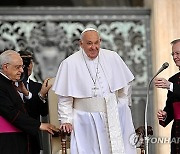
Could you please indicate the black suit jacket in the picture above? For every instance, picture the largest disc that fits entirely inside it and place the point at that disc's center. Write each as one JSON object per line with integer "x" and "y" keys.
{"x": 12, "y": 109}
{"x": 36, "y": 108}
{"x": 176, "y": 88}
{"x": 171, "y": 98}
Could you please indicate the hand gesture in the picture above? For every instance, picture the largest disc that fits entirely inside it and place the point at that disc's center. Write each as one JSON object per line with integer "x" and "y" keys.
{"x": 161, "y": 115}
{"x": 161, "y": 83}
{"x": 22, "y": 89}
{"x": 45, "y": 88}
{"x": 49, "y": 128}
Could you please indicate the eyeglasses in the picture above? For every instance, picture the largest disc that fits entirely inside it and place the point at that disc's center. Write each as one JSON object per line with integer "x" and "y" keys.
{"x": 17, "y": 67}
{"x": 175, "y": 53}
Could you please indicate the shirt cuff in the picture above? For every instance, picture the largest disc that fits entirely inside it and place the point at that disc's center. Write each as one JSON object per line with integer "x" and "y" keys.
{"x": 171, "y": 87}
{"x": 42, "y": 98}
{"x": 29, "y": 96}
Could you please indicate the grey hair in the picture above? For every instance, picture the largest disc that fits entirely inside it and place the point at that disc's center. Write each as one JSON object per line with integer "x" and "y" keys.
{"x": 6, "y": 57}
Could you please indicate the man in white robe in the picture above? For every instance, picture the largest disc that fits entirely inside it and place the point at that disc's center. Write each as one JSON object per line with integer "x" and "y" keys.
{"x": 94, "y": 89}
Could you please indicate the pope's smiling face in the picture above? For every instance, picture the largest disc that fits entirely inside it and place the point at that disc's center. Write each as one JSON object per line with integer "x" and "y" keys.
{"x": 90, "y": 43}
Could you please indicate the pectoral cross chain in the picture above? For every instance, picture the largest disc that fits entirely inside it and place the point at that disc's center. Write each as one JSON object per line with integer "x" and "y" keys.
{"x": 94, "y": 90}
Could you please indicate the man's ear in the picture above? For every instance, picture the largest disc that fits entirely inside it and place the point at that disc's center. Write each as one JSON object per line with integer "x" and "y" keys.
{"x": 4, "y": 67}
{"x": 80, "y": 43}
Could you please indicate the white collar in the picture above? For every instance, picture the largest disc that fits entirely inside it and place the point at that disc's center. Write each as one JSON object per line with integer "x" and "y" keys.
{"x": 28, "y": 80}
{"x": 89, "y": 59}
{"x": 5, "y": 75}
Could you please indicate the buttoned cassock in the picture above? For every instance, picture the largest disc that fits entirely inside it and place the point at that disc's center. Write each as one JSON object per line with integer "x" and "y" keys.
{"x": 12, "y": 109}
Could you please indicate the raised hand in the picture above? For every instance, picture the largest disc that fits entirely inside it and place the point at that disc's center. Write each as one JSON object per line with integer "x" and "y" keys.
{"x": 161, "y": 83}
{"x": 45, "y": 88}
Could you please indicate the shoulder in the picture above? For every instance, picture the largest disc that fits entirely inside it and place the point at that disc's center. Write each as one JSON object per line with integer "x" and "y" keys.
{"x": 34, "y": 83}
{"x": 111, "y": 55}
{"x": 175, "y": 77}
{"x": 108, "y": 52}
{"x": 72, "y": 59}
{"x": 5, "y": 83}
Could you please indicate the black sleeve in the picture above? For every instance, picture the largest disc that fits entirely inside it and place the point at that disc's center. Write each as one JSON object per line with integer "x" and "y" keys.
{"x": 176, "y": 89}
{"x": 171, "y": 98}
{"x": 40, "y": 107}
{"x": 12, "y": 109}
{"x": 169, "y": 110}
{"x": 35, "y": 106}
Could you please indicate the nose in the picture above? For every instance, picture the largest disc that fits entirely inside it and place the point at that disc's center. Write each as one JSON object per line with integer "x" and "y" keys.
{"x": 175, "y": 56}
{"x": 93, "y": 46}
{"x": 21, "y": 69}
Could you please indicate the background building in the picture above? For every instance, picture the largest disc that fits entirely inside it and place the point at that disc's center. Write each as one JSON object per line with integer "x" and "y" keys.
{"x": 139, "y": 31}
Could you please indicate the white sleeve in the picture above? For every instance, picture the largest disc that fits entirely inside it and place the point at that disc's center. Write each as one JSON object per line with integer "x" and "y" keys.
{"x": 65, "y": 109}
{"x": 125, "y": 93}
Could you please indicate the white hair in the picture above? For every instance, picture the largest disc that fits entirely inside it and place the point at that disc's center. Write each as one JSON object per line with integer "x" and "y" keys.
{"x": 6, "y": 57}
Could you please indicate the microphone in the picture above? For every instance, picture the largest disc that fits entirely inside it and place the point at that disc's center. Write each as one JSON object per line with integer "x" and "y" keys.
{"x": 163, "y": 67}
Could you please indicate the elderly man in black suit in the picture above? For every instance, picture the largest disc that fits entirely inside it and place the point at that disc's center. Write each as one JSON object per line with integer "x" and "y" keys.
{"x": 17, "y": 127}
{"x": 172, "y": 109}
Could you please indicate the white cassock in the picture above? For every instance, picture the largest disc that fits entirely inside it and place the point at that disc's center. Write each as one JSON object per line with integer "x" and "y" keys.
{"x": 101, "y": 117}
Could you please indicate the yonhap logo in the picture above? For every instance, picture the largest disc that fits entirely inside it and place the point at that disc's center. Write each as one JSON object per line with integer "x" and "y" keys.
{"x": 136, "y": 140}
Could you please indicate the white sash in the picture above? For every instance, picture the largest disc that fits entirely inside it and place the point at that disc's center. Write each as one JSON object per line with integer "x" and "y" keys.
{"x": 110, "y": 106}
{"x": 114, "y": 128}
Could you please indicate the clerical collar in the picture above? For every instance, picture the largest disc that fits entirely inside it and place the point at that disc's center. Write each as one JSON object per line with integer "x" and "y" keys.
{"x": 5, "y": 75}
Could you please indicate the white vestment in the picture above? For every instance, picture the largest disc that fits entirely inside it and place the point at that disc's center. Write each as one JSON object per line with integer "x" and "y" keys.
{"x": 74, "y": 81}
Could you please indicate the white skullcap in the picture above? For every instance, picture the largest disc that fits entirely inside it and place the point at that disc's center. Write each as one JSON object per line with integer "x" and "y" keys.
{"x": 175, "y": 40}
{"x": 88, "y": 29}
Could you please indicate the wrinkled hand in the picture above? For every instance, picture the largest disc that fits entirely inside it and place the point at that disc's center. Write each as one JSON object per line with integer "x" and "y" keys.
{"x": 49, "y": 128}
{"x": 66, "y": 127}
{"x": 21, "y": 88}
{"x": 45, "y": 88}
{"x": 161, "y": 83}
{"x": 161, "y": 115}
